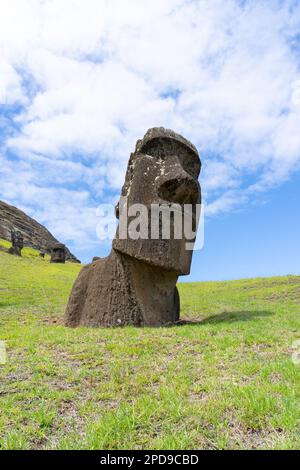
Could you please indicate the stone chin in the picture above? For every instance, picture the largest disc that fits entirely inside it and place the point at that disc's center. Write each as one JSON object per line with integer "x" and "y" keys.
{"x": 169, "y": 255}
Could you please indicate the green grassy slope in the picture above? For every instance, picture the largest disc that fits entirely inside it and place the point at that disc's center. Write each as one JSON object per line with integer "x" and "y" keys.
{"x": 227, "y": 380}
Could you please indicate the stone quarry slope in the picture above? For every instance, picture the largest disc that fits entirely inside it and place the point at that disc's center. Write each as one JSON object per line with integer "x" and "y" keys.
{"x": 35, "y": 235}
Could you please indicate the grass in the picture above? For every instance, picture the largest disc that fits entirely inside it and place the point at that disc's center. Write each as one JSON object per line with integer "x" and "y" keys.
{"x": 224, "y": 381}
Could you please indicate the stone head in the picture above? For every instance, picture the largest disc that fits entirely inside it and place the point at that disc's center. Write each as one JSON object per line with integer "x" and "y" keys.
{"x": 163, "y": 170}
{"x": 17, "y": 239}
{"x": 58, "y": 253}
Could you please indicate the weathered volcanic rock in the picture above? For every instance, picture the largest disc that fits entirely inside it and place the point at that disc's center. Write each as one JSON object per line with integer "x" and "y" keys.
{"x": 58, "y": 253}
{"x": 34, "y": 234}
{"x": 136, "y": 283}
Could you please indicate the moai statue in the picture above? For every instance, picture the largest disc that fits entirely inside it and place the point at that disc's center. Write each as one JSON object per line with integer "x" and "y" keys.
{"x": 136, "y": 283}
{"x": 17, "y": 243}
{"x": 58, "y": 253}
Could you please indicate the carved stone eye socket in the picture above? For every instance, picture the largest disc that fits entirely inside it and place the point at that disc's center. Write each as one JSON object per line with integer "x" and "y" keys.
{"x": 163, "y": 147}
{"x": 180, "y": 190}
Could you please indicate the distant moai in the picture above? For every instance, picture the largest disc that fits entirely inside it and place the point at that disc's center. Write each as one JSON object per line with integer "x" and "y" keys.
{"x": 58, "y": 253}
{"x": 42, "y": 254}
{"x": 17, "y": 242}
{"x": 136, "y": 283}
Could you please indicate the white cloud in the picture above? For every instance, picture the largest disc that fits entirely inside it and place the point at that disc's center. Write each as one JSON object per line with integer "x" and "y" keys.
{"x": 10, "y": 84}
{"x": 227, "y": 201}
{"x": 92, "y": 76}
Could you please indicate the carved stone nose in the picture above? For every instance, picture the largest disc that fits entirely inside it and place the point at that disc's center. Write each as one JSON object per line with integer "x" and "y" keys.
{"x": 180, "y": 190}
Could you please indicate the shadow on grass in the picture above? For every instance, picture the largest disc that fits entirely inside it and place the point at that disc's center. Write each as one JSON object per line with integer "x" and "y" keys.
{"x": 227, "y": 317}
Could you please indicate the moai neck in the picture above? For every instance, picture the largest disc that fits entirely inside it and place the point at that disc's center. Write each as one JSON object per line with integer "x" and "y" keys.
{"x": 155, "y": 291}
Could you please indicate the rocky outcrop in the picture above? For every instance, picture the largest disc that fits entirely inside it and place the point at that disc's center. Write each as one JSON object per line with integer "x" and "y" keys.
{"x": 34, "y": 234}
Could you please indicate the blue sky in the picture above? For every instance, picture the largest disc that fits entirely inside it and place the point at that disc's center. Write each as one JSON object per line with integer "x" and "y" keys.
{"x": 80, "y": 82}
{"x": 261, "y": 239}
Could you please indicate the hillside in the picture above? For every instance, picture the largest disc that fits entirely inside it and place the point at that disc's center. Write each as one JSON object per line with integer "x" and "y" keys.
{"x": 224, "y": 380}
{"x": 35, "y": 235}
